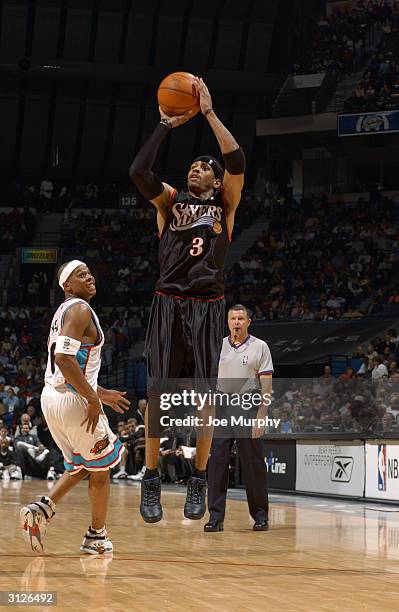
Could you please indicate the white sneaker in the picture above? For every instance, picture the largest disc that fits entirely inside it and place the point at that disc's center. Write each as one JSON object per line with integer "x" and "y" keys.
{"x": 16, "y": 474}
{"x": 51, "y": 475}
{"x": 96, "y": 542}
{"x": 121, "y": 474}
{"x": 138, "y": 476}
{"x": 34, "y": 519}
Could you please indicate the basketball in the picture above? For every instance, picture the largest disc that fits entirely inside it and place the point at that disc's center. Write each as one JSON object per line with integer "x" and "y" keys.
{"x": 177, "y": 94}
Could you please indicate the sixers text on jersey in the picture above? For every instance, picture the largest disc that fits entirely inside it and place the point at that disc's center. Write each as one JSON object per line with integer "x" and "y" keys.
{"x": 193, "y": 247}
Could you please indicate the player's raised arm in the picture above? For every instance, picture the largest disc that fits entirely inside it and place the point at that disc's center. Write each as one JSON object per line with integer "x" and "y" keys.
{"x": 140, "y": 171}
{"x": 233, "y": 155}
{"x": 77, "y": 320}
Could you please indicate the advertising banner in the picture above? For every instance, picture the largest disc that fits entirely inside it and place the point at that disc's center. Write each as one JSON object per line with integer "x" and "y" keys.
{"x": 382, "y": 469}
{"x": 329, "y": 467}
{"x": 39, "y": 256}
{"x": 301, "y": 341}
{"x": 368, "y": 123}
{"x": 280, "y": 460}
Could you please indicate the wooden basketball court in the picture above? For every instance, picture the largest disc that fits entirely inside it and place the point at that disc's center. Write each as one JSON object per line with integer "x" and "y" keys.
{"x": 318, "y": 555}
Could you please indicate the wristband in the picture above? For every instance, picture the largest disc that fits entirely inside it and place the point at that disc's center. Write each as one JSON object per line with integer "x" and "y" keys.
{"x": 208, "y": 110}
{"x": 67, "y": 345}
{"x": 166, "y": 123}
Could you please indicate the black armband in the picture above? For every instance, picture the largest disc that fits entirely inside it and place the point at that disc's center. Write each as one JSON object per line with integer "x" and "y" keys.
{"x": 140, "y": 171}
{"x": 235, "y": 161}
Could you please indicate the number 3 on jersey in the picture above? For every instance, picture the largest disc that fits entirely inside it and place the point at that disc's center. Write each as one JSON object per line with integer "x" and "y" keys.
{"x": 197, "y": 246}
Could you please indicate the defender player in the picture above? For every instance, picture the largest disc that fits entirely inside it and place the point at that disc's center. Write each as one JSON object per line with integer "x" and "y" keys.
{"x": 185, "y": 330}
{"x": 72, "y": 404}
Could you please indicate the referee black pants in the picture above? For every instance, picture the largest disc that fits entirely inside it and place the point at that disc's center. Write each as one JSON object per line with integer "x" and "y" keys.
{"x": 254, "y": 470}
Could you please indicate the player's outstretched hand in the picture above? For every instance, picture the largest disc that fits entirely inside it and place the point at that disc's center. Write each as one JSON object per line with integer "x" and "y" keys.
{"x": 93, "y": 411}
{"x": 115, "y": 400}
{"x": 204, "y": 95}
{"x": 178, "y": 120}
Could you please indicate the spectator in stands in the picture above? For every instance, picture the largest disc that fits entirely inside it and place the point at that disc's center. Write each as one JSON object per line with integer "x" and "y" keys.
{"x": 7, "y": 459}
{"x": 348, "y": 375}
{"x": 141, "y": 410}
{"x": 33, "y": 458}
{"x": 285, "y": 426}
{"x": 46, "y": 189}
{"x": 11, "y": 400}
{"x": 25, "y": 419}
{"x": 379, "y": 371}
{"x": 364, "y": 369}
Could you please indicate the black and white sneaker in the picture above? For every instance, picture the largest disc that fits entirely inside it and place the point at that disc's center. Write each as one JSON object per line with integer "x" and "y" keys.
{"x": 195, "y": 505}
{"x": 34, "y": 519}
{"x": 150, "y": 506}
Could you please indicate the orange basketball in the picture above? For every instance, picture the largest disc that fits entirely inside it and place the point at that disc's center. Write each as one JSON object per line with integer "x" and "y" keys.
{"x": 177, "y": 94}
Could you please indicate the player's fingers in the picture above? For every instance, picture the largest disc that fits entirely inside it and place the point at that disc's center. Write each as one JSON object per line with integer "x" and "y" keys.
{"x": 94, "y": 425}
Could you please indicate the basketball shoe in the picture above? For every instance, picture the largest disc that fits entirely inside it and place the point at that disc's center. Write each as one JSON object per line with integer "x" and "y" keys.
{"x": 150, "y": 506}
{"x": 195, "y": 505}
{"x": 96, "y": 542}
{"x": 34, "y": 519}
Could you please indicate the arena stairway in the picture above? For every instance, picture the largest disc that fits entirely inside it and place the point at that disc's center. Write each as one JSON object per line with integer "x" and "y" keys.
{"x": 48, "y": 231}
{"x": 5, "y": 268}
{"x": 245, "y": 241}
{"x": 343, "y": 91}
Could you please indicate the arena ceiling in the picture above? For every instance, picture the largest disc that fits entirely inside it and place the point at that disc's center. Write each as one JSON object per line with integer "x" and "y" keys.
{"x": 79, "y": 77}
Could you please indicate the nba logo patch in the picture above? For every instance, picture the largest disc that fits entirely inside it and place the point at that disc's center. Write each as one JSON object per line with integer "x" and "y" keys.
{"x": 382, "y": 467}
{"x": 245, "y": 360}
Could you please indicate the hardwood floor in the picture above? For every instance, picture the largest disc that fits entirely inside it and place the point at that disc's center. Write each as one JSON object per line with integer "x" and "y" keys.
{"x": 318, "y": 555}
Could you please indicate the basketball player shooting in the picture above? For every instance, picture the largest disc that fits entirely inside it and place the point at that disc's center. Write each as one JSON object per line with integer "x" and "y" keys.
{"x": 72, "y": 405}
{"x": 185, "y": 330}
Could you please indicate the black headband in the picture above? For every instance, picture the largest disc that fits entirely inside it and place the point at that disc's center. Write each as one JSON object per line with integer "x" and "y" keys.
{"x": 216, "y": 166}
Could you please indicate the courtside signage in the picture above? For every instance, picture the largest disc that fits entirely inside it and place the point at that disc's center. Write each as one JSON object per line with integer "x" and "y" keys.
{"x": 280, "y": 459}
{"x": 329, "y": 467}
{"x": 382, "y": 469}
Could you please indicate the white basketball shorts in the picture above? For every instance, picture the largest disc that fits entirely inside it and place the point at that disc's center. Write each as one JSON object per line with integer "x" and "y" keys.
{"x": 64, "y": 413}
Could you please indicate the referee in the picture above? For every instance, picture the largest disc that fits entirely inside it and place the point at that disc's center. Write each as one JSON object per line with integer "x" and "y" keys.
{"x": 245, "y": 366}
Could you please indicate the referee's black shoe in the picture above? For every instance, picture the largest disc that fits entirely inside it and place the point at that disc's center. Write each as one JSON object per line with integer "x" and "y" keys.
{"x": 150, "y": 507}
{"x": 213, "y": 525}
{"x": 261, "y": 525}
{"x": 195, "y": 505}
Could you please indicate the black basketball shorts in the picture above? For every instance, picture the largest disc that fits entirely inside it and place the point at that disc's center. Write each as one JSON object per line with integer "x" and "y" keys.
{"x": 184, "y": 338}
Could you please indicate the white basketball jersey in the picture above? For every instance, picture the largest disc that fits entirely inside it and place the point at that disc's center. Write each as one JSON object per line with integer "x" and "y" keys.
{"x": 88, "y": 356}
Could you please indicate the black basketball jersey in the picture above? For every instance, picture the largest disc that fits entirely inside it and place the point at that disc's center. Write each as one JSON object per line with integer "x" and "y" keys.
{"x": 193, "y": 247}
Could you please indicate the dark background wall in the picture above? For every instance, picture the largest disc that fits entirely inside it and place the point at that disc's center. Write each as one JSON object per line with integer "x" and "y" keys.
{"x": 78, "y": 79}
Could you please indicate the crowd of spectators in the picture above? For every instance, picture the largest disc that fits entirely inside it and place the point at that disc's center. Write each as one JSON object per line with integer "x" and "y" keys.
{"x": 341, "y": 41}
{"x": 379, "y": 87}
{"x": 17, "y": 226}
{"x": 364, "y": 398}
{"x": 321, "y": 261}
{"x": 26, "y": 447}
{"x": 122, "y": 247}
{"x": 49, "y": 195}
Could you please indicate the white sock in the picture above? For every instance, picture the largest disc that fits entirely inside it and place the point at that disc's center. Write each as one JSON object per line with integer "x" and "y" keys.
{"x": 99, "y": 532}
